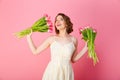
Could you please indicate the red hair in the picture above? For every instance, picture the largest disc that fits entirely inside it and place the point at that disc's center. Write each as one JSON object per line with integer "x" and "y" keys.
{"x": 68, "y": 22}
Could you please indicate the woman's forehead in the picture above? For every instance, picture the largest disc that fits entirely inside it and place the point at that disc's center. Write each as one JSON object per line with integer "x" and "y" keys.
{"x": 59, "y": 17}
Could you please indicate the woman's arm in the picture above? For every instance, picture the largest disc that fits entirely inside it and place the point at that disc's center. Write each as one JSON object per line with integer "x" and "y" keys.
{"x": 78, "y": 55}
{"x": 35, "y": 50}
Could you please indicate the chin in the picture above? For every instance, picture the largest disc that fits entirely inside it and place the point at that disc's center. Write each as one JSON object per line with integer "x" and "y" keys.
{"x": 60, "y": 28}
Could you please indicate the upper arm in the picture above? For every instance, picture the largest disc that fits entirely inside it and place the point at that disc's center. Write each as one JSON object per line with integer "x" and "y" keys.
{"x": 44, "y": 45}
{"x": 75, "y": 52}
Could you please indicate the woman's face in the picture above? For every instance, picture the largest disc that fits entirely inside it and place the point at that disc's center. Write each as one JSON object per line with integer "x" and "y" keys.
{"x": 60, "y": 23}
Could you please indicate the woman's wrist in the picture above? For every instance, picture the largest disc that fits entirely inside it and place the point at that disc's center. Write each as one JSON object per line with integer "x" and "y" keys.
{"x": 86, "y": 46}
{"x": 28, "y": 36}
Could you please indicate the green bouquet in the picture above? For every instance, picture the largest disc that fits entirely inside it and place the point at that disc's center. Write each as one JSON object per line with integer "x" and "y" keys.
{"x": 44, "y": 24}
{"x": 89, "y": 34}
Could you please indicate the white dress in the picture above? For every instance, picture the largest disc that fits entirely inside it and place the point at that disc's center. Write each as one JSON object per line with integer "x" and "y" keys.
{"x": 60, "y": 68}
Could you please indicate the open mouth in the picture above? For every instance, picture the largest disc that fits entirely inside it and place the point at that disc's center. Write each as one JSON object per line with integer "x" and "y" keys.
{"x": 59, "y": 25}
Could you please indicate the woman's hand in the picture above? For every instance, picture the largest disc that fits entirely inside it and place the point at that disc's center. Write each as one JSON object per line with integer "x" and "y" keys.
{"x": 86, "y": 44}
{"x": 29, "y": 35}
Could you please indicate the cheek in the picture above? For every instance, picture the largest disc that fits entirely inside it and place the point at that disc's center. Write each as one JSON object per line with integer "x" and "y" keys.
{"x": 55, "y": 24}
{"x": 64, "y": 23}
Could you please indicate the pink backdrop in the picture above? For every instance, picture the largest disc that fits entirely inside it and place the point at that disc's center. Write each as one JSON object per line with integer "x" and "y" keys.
{"x": 16, "y": 59}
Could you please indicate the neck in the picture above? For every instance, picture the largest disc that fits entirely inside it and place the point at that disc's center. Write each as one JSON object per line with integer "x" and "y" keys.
{"x": 63, "y": 33}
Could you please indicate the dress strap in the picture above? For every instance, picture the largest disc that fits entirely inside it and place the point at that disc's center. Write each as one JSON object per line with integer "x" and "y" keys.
{"x": 72, "y": 40}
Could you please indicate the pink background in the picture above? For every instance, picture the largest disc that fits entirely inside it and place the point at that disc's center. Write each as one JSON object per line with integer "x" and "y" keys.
{"x": 16, "y": 59}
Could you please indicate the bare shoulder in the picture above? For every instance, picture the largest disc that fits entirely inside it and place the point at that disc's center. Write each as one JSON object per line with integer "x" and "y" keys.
{"x": 74, "y": 39}
{"x": 51, "y": 38}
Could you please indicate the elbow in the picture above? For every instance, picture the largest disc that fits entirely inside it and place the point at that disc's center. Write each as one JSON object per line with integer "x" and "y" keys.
{"x": 34, "y": 52}
{"x": 73, "y": 60}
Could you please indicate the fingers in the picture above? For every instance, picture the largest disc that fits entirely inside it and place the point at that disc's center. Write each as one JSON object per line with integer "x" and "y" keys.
{"x": 87, "y": 41}
{"x": 30, "y": 32}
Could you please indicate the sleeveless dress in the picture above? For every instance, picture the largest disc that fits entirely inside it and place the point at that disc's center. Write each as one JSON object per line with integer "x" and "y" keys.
{"x": 60, "y": 68}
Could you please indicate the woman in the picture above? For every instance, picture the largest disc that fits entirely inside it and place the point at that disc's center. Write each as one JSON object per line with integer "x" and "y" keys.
{"x": 63, "y": 50}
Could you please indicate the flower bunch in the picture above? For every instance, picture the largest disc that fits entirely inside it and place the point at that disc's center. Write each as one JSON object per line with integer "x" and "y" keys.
{"x": 44, "y": 24}
{"x": 89, "y": 34}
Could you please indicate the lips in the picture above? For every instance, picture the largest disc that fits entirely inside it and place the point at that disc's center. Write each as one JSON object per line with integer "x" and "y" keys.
{"x": 58, "y": 25}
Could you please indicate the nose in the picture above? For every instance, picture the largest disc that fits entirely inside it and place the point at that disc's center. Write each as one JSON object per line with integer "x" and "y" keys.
{"x": 57, "y": 22}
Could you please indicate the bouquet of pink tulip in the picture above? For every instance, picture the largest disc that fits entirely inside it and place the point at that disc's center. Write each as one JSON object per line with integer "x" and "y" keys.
{"x": 44, "y": 24}
{"x": 89, "y": 34}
